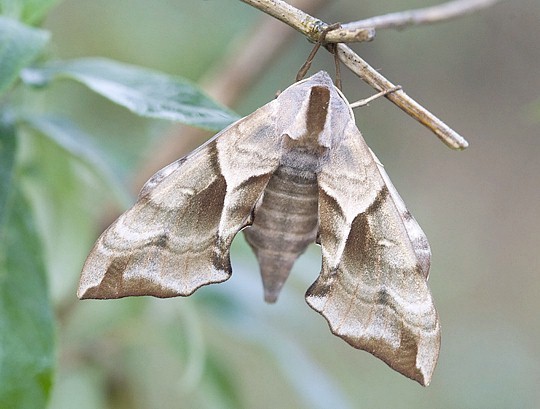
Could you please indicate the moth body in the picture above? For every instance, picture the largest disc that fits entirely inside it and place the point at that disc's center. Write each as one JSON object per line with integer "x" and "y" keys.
{"x": 278, "y": 238}
{"x": 294, "y": 171}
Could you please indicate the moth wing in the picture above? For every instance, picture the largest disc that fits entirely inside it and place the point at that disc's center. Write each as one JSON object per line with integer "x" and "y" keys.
{"x": 373, "y": 289}
{"x": 176, "y": 237}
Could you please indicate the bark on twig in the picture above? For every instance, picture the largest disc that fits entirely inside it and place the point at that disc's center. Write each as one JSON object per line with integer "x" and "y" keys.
{"x": 308, "y": 25}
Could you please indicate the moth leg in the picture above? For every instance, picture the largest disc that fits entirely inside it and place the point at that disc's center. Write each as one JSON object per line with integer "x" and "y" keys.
{"x": 306, "y": 66}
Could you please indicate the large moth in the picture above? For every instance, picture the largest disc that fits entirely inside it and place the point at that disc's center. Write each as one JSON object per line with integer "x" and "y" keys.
{"x": 295, "y": 171}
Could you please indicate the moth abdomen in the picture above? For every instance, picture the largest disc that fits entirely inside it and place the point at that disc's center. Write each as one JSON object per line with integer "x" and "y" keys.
{"x": 284, "y": 223}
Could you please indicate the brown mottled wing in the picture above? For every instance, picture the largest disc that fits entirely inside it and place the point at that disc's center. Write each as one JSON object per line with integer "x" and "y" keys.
{"x": 373, "y": 289}
{"x": 176, "y": 237}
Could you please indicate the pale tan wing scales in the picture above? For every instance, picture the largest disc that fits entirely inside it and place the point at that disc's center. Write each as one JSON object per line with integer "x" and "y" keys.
{"x": 416, "y": 234}
{"x": 372, "y": 289}
{"x": 176, "y": 237}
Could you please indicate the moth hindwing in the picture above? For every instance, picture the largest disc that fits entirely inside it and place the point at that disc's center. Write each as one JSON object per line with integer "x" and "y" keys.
{"x": 295, "y": 171}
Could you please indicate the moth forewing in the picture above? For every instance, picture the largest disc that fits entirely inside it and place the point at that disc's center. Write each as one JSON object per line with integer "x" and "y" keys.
{"x": 372, "y": 289}
{"x": 176, "y": 238}
{"x": 416, "y": 235}
{"x": 294, "y": 171}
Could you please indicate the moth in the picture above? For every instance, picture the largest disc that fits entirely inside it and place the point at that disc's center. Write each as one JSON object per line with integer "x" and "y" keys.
{"x": 295, "y": 171}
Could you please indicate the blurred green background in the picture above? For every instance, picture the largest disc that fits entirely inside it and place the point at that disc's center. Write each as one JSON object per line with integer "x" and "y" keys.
{"x": 224, "y": 347}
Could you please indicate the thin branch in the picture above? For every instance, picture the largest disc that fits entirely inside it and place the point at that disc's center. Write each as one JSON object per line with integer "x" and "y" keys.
{"x": 308, "y": 25}
{"x": 371, "y": 76}
{"x": 366, "y": 101}
{"x": 428, "y": 15}
{"x": 312, "y": 28}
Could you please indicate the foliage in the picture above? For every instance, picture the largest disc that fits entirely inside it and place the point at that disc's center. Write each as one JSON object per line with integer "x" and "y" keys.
{"x": 46, "y": 165}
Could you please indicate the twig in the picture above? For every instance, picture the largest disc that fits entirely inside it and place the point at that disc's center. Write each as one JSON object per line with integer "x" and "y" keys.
{"x": 428, "y": 15}
{"x": 365, "y": 102}
{"x": 308, "y": 25}
{"x": 371, "y": 76}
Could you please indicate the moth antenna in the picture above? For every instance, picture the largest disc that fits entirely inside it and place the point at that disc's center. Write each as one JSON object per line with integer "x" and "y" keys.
{"x": 305, "y": 67}
{"x": 366, "y": 101}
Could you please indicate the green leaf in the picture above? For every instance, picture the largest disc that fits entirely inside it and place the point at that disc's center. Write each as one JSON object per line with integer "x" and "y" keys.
{"x": 19, "y": 46}
{"x": 144, "y": 92}
{"x": 26, "y": 319}
{"x": 7, "y": 161}
{"x": 72, "y": 139}
{"x": 66, "y": 198}
{"x": 28, "y": 11}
